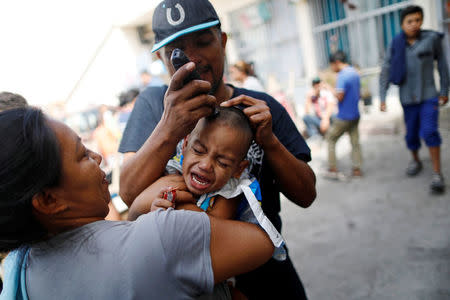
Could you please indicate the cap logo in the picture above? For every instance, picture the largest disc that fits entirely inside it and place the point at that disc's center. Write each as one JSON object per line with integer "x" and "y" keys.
{"x": 169, "y": 15}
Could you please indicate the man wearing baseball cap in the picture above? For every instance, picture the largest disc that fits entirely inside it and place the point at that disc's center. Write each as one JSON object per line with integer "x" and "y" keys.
{"x": 278, "y": 158}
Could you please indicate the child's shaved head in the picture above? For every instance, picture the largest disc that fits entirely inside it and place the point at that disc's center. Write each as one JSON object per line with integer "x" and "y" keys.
{"x": 234, "y": 118}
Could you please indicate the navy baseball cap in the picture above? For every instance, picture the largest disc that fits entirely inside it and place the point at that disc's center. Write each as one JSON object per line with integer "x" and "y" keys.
{"x": 175, "y": 18}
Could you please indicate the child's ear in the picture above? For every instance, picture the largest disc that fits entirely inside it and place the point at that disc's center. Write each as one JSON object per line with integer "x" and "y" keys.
{"x": 46, "y": 203}
{"x": 185, "y": 141}
{"x": 242, "y": 165}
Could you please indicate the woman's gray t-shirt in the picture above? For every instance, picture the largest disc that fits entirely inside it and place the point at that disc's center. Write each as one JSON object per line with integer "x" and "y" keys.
{"x": 161, "y": 255}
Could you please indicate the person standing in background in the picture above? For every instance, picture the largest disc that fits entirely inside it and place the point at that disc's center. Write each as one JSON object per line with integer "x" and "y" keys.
{"x": 126, "y": 104}
{"x": 409, "y": 63}
{"x": 148, "y": 80}
{"x": 347, "y": 92}
{"x": 244, "y": 74}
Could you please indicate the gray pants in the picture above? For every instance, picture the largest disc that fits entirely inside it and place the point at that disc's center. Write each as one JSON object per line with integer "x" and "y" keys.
{"x": 338, "y": 128}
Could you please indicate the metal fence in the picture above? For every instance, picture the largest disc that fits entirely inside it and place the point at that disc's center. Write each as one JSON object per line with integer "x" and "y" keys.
{"x": 363, "y": 31}
{"x": 266, "y": 34}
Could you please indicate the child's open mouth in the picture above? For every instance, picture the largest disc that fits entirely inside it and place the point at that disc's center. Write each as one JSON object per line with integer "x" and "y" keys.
{"x": 199, "y": 182}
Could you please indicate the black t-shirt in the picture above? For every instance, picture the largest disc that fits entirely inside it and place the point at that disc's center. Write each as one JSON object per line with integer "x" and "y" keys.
{"x": 148, "y": 111}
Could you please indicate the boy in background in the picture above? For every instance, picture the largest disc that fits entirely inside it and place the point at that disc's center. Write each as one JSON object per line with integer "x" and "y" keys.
{"x": 347, "y": 92}
{"x": 409, "y": 63}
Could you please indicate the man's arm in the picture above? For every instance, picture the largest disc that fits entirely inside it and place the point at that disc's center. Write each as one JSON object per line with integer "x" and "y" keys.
{"x": 443, "y": 72}
{"x": 330, "y": 105}
{"x": 308, "y": 103}
{"x": 384, "y": 79}
{"x": 339, "y": 94}
{"x": 183, "y": 107}
{"x": 296, "y": 178}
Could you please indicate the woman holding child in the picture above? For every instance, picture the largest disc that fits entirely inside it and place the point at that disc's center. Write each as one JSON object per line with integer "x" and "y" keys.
{"x": 53, "y": 200}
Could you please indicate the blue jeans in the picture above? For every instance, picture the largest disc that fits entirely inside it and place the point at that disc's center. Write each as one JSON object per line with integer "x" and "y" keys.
{"x": 312, "y": 124}
{"x": 421, "y": 121}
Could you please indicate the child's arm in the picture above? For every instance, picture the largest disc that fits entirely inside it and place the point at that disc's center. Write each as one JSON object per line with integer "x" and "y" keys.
{"x": 143, "y": 203}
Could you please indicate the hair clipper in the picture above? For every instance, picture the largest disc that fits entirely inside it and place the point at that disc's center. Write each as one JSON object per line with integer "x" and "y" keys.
{"x": 178, "y": 59}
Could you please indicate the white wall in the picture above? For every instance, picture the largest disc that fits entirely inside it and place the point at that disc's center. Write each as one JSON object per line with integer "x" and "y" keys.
{"x": 48, "y": 45}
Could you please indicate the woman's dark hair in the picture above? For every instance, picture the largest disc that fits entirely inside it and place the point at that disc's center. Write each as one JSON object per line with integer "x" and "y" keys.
{"x": 338, "y": 56}
{"x": 128, "y": 96}
{"x": 411, "y": 9}
{"x": 30, "y": 161}
{"x": 245, "y": 68}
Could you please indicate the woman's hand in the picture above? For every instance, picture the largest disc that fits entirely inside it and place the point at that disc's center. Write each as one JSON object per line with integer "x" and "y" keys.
{"x": 166, "y": 199}
{"x": 144, "y": 202}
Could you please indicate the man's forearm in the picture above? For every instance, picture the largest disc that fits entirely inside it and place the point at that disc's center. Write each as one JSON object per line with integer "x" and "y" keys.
{"x": 147, "y": 164}
{"x": 296, "y": 178}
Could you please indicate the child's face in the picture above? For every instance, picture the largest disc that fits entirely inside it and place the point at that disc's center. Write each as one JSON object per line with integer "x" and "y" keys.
{"x": 411, "y": 24}
{"x": 212, "y": 155}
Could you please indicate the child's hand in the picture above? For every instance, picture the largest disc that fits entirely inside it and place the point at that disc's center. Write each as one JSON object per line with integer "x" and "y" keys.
{"x": 165, "y": 199}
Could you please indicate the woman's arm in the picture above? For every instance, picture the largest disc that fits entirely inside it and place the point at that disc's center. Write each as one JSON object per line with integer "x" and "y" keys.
{"x": 237, "y": 247}
{"x": 224, "y": 208}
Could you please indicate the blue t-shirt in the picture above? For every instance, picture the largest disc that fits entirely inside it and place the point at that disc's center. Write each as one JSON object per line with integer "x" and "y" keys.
{"x": 148, "y": 111}
{"x": 348, "y": 82}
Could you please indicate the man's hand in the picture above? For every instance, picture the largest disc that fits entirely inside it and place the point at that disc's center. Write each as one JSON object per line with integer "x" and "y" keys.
{"x": 184, "y": 105}
{"x": 259, "y": 115}
{"x": 324, "y": 125}
{"x": 383, "y": 106}
{"x": 443, "y": 100}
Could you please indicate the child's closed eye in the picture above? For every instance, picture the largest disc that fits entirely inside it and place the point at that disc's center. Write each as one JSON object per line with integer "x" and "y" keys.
{"x": 223, "y": 164}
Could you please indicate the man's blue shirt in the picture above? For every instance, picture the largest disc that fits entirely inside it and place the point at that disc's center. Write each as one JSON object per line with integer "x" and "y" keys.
{"x": 348, "y": 82}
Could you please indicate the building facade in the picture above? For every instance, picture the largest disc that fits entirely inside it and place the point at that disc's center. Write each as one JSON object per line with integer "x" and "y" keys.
{"x": 292, "y": 39}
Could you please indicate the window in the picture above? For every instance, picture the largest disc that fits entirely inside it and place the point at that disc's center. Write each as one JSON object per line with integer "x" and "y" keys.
{"x": 264, "y": 30}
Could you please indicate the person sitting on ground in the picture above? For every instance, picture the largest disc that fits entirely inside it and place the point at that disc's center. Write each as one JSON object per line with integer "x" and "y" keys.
{"x": 54, "y": 198}
{"x": 244, "y": 74}
{"x": 10, "y": 100}
{"x": 319, "y": 107}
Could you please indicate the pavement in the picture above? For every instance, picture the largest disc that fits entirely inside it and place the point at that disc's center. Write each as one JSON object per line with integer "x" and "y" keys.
{"x": 383, "y": 236}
